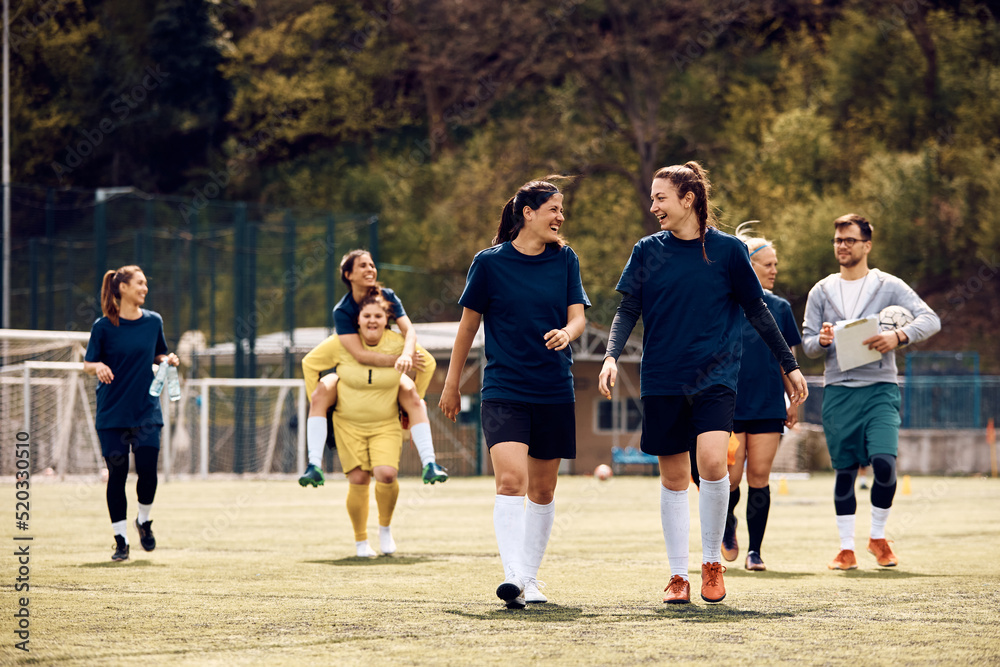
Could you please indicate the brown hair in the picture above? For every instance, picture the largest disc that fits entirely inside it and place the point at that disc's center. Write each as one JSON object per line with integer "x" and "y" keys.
{"x": 692, "y": 177}
{"x": 855, "y": 219}
{"x": 532, "y": 194}
{"x": 110, "y": 295}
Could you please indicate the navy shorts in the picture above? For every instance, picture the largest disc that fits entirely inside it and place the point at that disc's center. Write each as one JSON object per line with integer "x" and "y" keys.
{"x": 122, "y": 441}
{"x": 671, "y": 424}
{"x": 758, "y": 426}
{"x": 549, "y": 430}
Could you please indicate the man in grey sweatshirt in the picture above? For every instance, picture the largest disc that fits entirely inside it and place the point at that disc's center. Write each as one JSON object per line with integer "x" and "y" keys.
{"x": 861, "y": 405}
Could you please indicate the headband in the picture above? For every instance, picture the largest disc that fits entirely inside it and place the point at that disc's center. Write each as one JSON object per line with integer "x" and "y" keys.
{"x": 759, "y": 249}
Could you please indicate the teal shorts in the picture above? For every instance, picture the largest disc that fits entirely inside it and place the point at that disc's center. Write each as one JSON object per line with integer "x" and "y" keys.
{"x": 860, "y": 422}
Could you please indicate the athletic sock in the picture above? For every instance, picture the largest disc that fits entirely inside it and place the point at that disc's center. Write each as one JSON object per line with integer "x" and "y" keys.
{"x": 357, "y": 509}
{"x": 508, "y": 522}
{"x": 144, "y": 512}
{"x": 538, "y": 520}
{"x": 758, "y": 507}
{"x": 712, "y": 502}
{"x": 385, "y": 499}
{"x": 845, "y": 526}
{"x": 120, "y": 528}
{"x": 316, "y": 439}
{"x": 675, "y": 518}
{"x": 421, "y": 436}
{"x": 880, "y": 516}
{"x": 734, "y": 498}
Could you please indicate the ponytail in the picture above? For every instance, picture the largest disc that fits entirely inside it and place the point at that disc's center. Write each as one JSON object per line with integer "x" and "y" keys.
{"x": 111, "y": 295}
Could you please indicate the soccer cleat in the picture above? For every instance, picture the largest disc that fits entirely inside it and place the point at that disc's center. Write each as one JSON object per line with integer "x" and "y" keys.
{"x": 121, "y": 549}
{"x": 730, "y": 547}
{"x": 882, "y": 552}
{"x": 511, "y": 591}
{"x": 531, "y": 592}
{"x": 313, "y": 476}
{"x": 146, "y": 538}
{"x": 754, "y": 562}
{"x": 713, "y": 589}
{"x": 678, "y": 591}
{"x": 385, "y": 541}
{"x": 845, "y": 560}
{"x": 434, "y": 473}
{"x": 364, "y": 550}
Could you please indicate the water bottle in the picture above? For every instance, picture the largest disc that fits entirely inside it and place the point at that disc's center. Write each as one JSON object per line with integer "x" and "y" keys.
{"x": 156, "y": 388}
{"x": 173, "y": 383}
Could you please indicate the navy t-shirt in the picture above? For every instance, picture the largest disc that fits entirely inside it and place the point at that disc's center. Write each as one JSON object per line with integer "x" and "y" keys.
{"x": 760, "y": 391}
{"x": 345, "y": 313}
{"x": 129, "y": 351}
{"x": 691, "y": 310}
{"x": 521, "y": 298}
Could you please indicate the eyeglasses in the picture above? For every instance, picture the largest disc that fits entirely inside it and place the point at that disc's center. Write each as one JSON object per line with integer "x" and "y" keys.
{"x": 848, "y": 242}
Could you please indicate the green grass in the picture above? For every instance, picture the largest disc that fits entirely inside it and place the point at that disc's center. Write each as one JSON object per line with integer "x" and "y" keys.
{"x": 262, "y": 572}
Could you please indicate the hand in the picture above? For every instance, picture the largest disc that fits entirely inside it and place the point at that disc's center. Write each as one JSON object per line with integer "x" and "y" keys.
{"x": 404, "y": 363}
{"x": 606, "y": 380}
{"x": 826, "y": 335}
{"x": 172, "y": 359}
{"x": 451, "y": 402}
{"x": 557, "y": 339}
{"x": 419, "y": 362}
{"x": 104, "y": 373}
{"x": 792, "y": 416}
{"x": 883, "y": 342}
{"x": 796, "y": 388}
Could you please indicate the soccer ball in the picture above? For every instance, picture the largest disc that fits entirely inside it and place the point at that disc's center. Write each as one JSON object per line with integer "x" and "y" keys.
{"x": 894, "y": 317}
{"x": 602, "y": 472}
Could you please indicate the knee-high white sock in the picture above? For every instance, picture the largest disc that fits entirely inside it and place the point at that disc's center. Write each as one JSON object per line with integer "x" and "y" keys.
{"x": 845, "y": 526}
{"x": 144, "y": 513}
{"x": 508, "y": 522}
{"x": 421, "y": 435}
{"x": 121, "y": 528}
{"x": 316, "y": 439}
{"x": 675, "y": 517}
{"x": 713, "y": 502}
{"x": 880, "y": 516}
{"x": 538, "y": 520}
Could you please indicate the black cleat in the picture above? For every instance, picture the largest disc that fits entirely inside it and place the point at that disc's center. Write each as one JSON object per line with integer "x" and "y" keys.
{"x": 121, "y": 549}
{"x": 146, "y": 538}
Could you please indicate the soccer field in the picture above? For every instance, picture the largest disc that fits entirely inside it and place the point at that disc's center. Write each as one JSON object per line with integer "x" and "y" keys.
{"x": 263, "y": 572}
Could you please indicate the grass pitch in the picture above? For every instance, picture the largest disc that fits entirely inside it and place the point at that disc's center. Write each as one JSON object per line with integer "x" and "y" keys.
{"x": 262, "y": 572}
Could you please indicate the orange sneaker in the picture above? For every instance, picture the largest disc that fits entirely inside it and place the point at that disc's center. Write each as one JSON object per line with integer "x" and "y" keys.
{"x": 713, "y": 589}
{"x": 845, "y": 560}
{"x": 678, "y": 591}
{"x": 882, "y": 552}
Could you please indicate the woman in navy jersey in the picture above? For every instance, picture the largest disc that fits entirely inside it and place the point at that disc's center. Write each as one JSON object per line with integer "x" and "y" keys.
{"x": 761, "y": 414}
{"x": 526, "y": 288}
{"x": 123, "y": 346}
{"x": 691, "y": 284}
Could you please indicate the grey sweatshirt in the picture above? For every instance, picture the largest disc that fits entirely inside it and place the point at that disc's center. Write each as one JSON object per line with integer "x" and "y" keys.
{"x": 880, "y": 290}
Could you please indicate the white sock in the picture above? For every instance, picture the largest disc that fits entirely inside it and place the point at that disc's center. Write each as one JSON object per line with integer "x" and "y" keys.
{"x": 121, "y": 528}
{"x": 880, "y": 516}
{"x": 508, "y": 522}
{"x": 675, "y": 517}
{"x": 144, "y": 512}
{"x": 845, "y": 526}
{"x": 364, "y": 550}
{"x": 538, "y": 520}
{"x": 421, "y": 436}
{"x": 385, "y": 541}
{"x": 316, "y": 439}
{"x": 713, "y": 502}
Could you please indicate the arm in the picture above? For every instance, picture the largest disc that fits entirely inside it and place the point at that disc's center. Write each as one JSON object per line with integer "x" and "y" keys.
{"x": 451, "y": 401}
{"x": 324, "y": 356}
{"x": 627, "y": 315}
{"x": 925, "y": 324}
{"x": 425, "y": 372}
{"x": 352, "y": 343}
{"x": 817, "y": 335}
{"x": 576, "y": 322}
{"x": 100, "y": 369}
{"x": 763, "y": 322}
{"x": 405, "y": 361}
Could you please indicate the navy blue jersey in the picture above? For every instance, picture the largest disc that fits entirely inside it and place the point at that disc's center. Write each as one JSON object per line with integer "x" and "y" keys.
{"x": 521, "y": 298}
{"x": 129, "y": 350}
{"x": 760, "y": 391}
{"x": 691, "y": 310}
{"x": 345, "y": 313}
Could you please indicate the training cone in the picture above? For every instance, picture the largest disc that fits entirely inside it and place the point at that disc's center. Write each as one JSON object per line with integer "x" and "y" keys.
{"x": 906, "y": 486}
{"x": 782, "y": 486}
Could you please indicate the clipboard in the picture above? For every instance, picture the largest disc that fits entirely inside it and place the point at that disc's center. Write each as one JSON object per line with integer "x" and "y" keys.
{"x": 848, "y": 334}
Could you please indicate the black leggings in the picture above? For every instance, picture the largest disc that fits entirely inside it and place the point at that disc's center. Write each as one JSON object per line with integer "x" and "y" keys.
{"x": 883, "y": 487}
{"x": 145, "y": 467}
